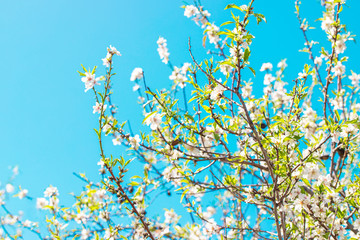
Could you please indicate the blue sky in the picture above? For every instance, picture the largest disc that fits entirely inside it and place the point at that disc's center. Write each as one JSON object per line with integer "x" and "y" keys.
{"x": 47, "y": 118}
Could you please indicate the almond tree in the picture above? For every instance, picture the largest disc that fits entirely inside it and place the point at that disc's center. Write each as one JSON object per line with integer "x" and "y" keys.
{"x": 282, "y": 165}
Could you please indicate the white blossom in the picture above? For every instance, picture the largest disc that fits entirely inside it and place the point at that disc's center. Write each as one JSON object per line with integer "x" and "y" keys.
{"x": 338, "y": 69}
{"x": 354, "y": 79}
{"x": 51, "y": 191}
{"x": 154, "y": 120}
{"x": 318, "y": 61}
{"x": 212, "y": 32}
{"x": 217, "y": 92}
{"x": 107, "y": 60}
{"x": 23, "y": 193}
{"x": 163, "y": 50}
{"x": 266, "y": 66}
{"x": 137, "y": 73}
{"x": 190, "y": 10}
{"x": 135, "y": 141}
{"x": 112, "y": 50}
{"x": 41, "y": 203}
{"x": 9, "y": 188}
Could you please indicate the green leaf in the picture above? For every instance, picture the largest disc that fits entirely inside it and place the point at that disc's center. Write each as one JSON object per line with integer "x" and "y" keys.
{"x": 233, "y": 6}
{"x": 226, "y": 23}
{"x": 246, "y": 55}
{"x": 84, "y": 68}
{"x": 183, "y": 195}
{"x": 252, "y": 70}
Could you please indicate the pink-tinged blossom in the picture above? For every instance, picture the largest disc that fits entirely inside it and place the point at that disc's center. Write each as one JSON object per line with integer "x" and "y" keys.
{"x": 190, "y": 10}
{"x": 137, "y": 73}
{"x": 266, "y": 66}
{"x": 112, "y": 50}
{"x": 98, "y": 107}
{"x": 90, "y": 80}
{"x": 339, "y": 69}
{"x": 163, "y": 50}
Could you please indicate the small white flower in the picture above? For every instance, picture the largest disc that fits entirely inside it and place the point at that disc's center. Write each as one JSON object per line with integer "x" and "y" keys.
{"x": 268, "y": 79}
{"x": 51, "y": 191}
{"x": 112, "y": 50}
{"x": 137, "y": 73}
{"x": 41, "y": 203}
{"x": 135, "y": 141}
{"x": 81, "y": 218}
{"x": 136, "y": 87}
{"x": 266, "y": 66}
{"x": 154, "y": 121}
{"x": 339, "y": 69}
{"x": 225, "y": 69}
{"x": 354, "y": 79}
{"x": 85, "y": 234}
{"x": 318, "y": 61}
{"x": 212, "y": 32}
{"x": 282, "y": 64}
{"x": 190, "y": 10}
{"x": 23, "y": 193}
{"x": 27, "y": 223}
{"x": 326, "y": 24}
{"x": 217, "y": 92}
{"x": 179, "y": 75}
{"x": 117, "y": 140}
{"x": 101, "y": 163}
{"x": 246, "y": 91}
{"x": 302, "y": 74}
{"x": 9, "y": 188}
{"x": 163, "y": 50}
{"x": 170, "y": 216}
{"x": 107, "y": 60}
